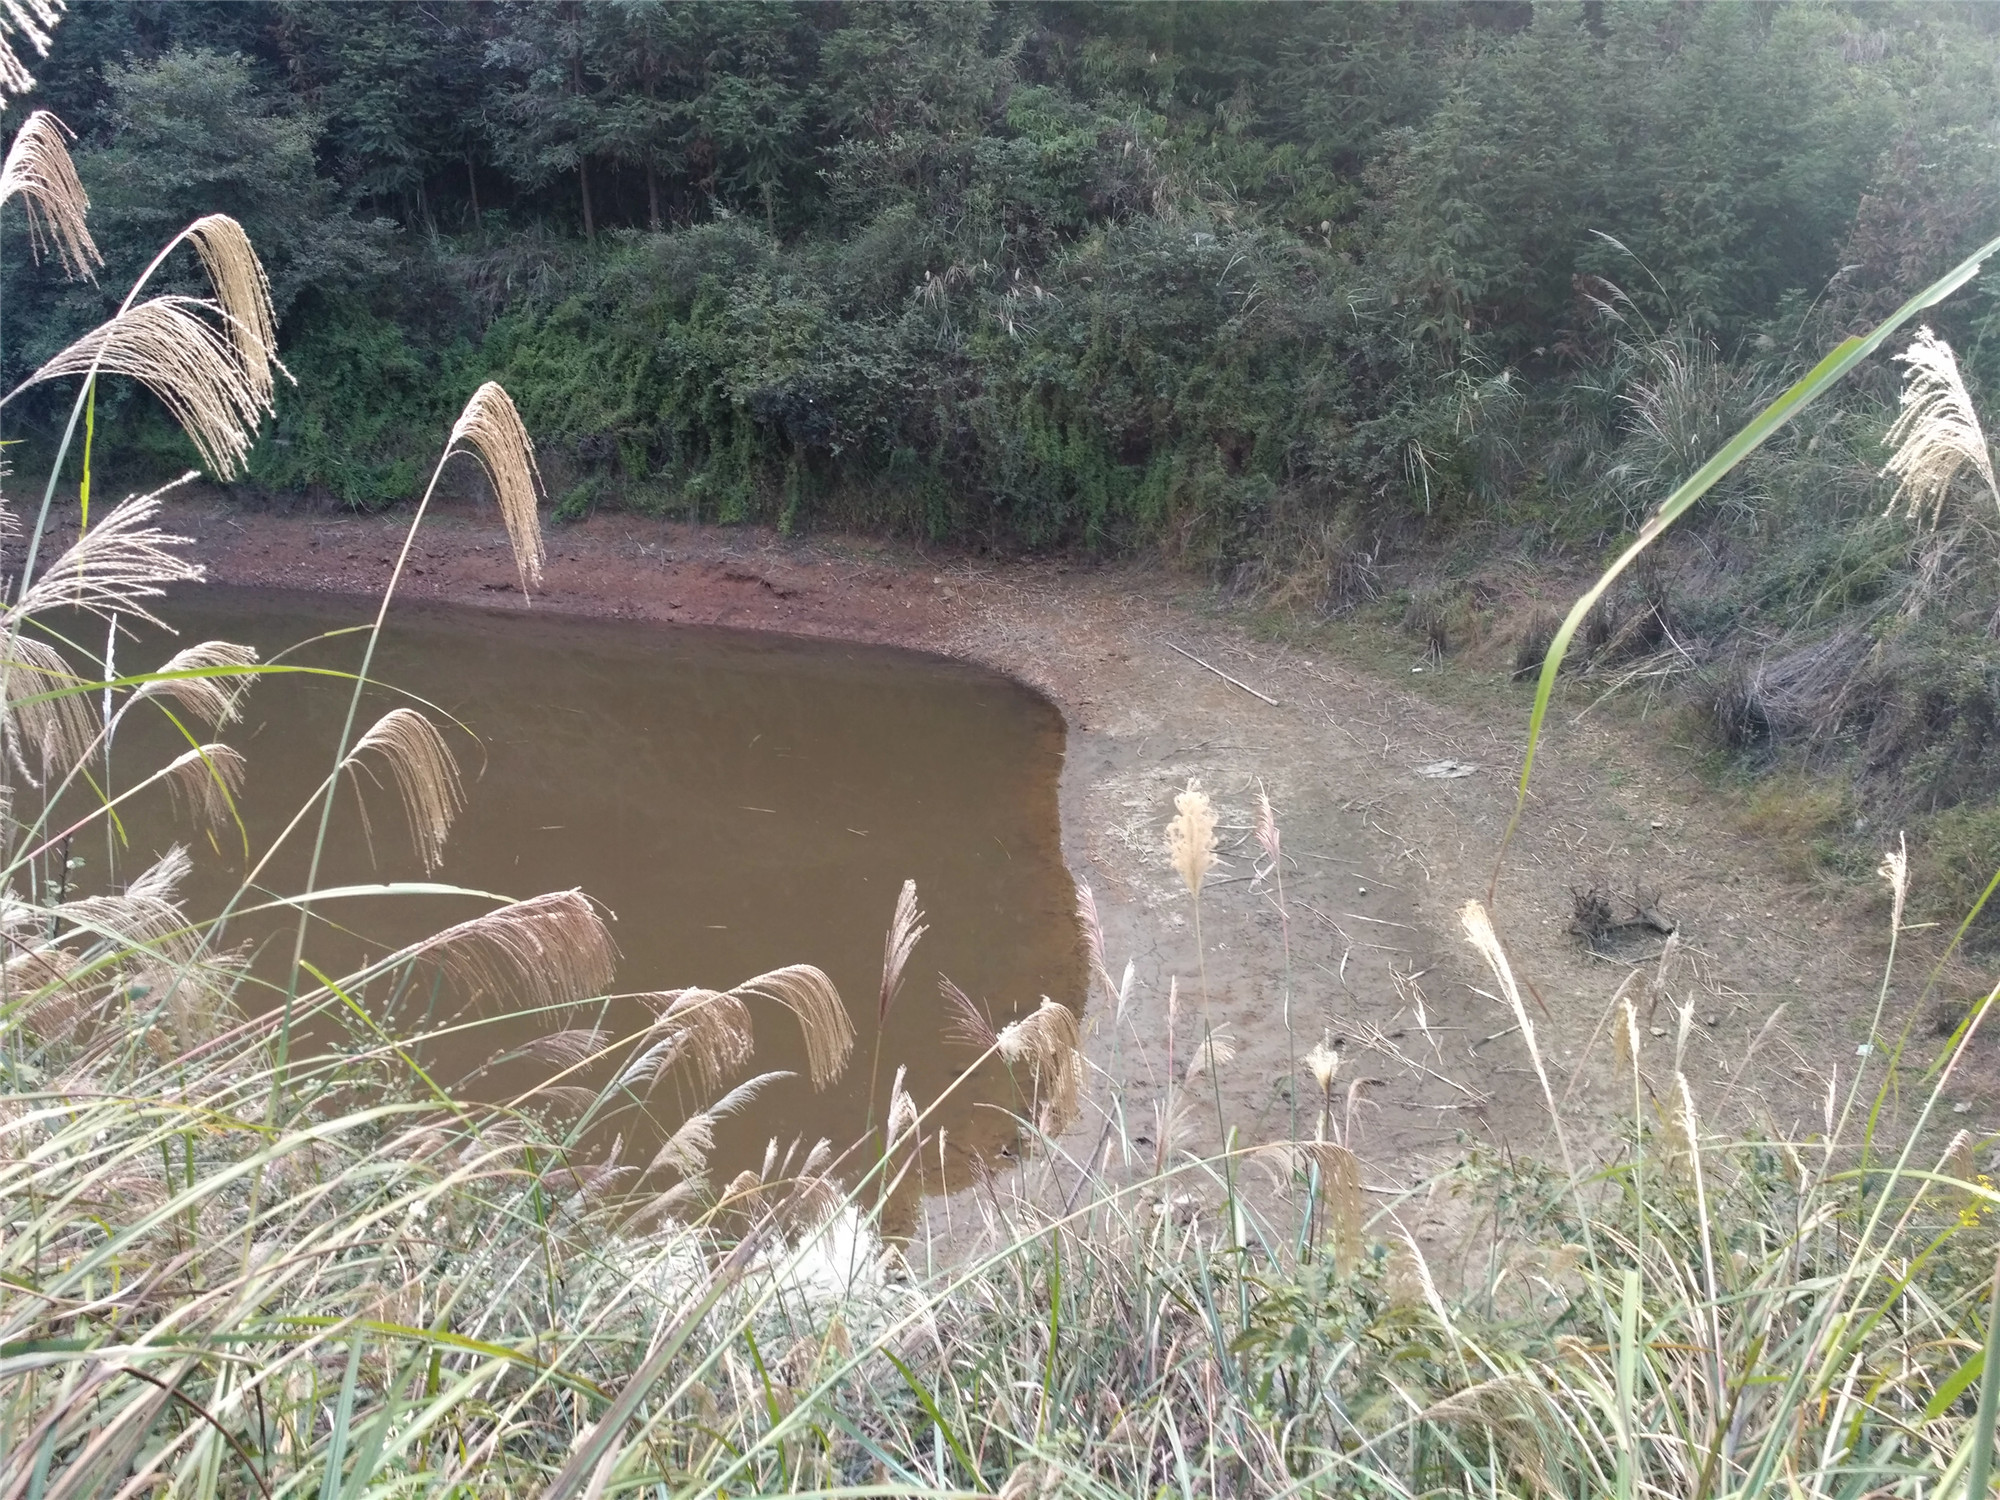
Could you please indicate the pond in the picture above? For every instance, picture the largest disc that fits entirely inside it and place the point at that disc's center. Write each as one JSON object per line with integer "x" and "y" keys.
{"x": 736, "y": 801}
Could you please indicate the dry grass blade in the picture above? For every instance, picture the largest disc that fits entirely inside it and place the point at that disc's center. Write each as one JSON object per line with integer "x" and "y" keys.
{"x": 897, "y": 945}
{"x": 490, "y": 429}
{"x": 213, "y": 699}
{"x": 58, "y": 730}
{"x": 808, "y": 994}
{"x": 168, "y": 346}
{"x": 34, "y": 19}
{"x": 1937, "y": 435}
{"x": 243, "y": 295}
{"x": 425, "y": 774}
{"x": 548, "y": 950}
{"x": 113, "y": 568}
{"x": 207, "y": 779}
{"x": 40, "y": 173}
{"x": 1191, "y": 836}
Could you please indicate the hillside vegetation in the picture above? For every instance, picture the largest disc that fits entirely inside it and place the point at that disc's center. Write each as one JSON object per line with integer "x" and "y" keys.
{"x": 1340, "y": 305}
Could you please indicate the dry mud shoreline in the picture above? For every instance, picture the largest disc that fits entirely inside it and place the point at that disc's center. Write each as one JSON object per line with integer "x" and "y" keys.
{"x": 1391, "y": 805}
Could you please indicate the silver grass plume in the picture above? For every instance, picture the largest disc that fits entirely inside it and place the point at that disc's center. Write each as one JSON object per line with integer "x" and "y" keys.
{"x": 905, "y": 928}
{"x": 1191, "y": 837}
{"x": 207, "y": 779}
{"x": 34, "y": 20}
{"x": 903, "y": 1112}
{"x": 426, "y": 776}
{"x": 567, "y": 1049}
{"x": 59, "y": 729}
{"x": 215, "y": 700}
{"x": 242, "y": 296}
{"x": 1937, "y": 435}
{"x": 809, "y": 995}
{"x": 490, "y": 429}
{"x": 969, "y": 1023}
{"x": 39, "y": 172}
{"x": 170, "y": 347}
{"x": 549, "y": 950}
{"x": 113, "y": 568}
{"x": 707, "y": 1029}
{"x": 1216, "y": 1049}
{"x": 686, "y": 1151}
{"x": 147, "y": 912}
{"x": 1047, "y": 1040}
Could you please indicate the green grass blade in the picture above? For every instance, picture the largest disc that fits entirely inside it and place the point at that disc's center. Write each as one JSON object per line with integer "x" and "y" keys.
{"x": 1828, "y": 373}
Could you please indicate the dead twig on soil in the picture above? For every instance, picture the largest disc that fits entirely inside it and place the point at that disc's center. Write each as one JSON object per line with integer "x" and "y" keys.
{"x": 1233, "y": 682}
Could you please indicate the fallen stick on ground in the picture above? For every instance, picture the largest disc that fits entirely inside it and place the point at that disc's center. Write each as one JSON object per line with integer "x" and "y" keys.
{"x": 1224, "y": 676}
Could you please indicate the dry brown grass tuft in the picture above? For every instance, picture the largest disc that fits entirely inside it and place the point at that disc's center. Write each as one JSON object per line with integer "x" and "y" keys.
{"x": 40, "y": 173}
{"x": 426, "y": 776}
{"x": 808, "y": 994}
{"x": 490, "y": 429}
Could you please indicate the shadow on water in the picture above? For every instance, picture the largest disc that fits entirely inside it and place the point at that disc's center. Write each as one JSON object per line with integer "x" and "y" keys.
{"x": 737, "y": 801}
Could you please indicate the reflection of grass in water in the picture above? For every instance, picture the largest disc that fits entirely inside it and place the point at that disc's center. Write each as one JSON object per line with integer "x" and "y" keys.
{"x": 239, "y": 1268}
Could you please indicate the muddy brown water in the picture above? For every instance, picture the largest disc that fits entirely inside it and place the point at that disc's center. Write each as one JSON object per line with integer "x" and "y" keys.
{"x": 736, "y": 801}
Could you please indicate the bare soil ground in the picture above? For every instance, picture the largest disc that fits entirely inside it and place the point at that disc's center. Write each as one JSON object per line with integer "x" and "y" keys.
{"x": 1391, "y": 797}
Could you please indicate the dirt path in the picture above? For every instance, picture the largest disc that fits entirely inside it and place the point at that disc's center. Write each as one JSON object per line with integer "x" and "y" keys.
{"x": 1391, "y": 803}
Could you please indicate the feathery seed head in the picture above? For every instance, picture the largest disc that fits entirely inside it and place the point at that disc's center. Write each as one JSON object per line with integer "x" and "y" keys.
{"x": 1191, "y": 836}
{"x": 810, "y": 996}
{"x": 549, "y": 950}
{"x": 969, "y": 1023}
{"x": 425, "y": 774}
{"x": 38, "y": 171}
{"x": 490, "y": 429}
{"x": 112, "y": 569}
{"x": 1936, "y": 436}
{"x": 171, "y": 348}
{"x": 1047, "y": 1041}
{"x": 905, "y": 928}
{"x": 34, "y": 19}
{"x": 1895, "y": 868}
{"x": 1268, "y": 837}
{"x": 213, "y": 699}
{"x": 1323, "y": 1062}
{"x": 1216, "y": 1049}
{"x": 58, "y": 730}
{"x": 242, "y": 297}
{"x": 207, "y": 778}
{"x": 707, "y": 1029}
